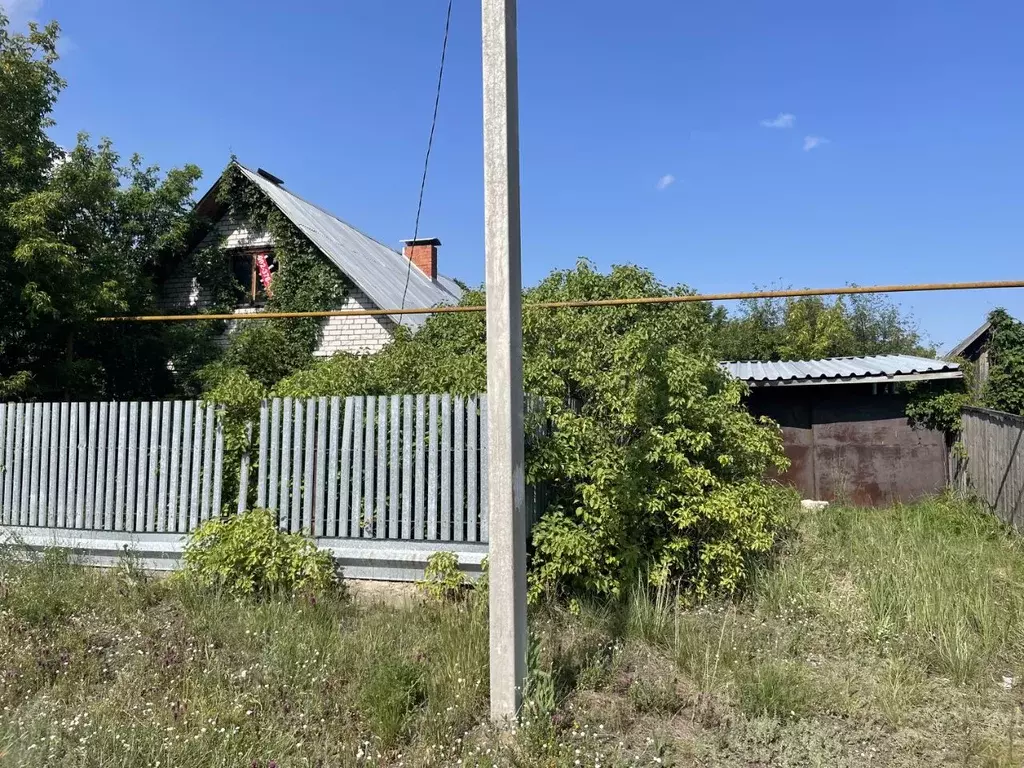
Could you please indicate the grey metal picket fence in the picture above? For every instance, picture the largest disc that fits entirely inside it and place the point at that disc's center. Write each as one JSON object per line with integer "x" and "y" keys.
{"x": 139, "y": 467}
{"x": 381, "y": 481}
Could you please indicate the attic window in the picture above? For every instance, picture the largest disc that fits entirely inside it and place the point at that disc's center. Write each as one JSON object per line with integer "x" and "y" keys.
{"x": 245, "y": 266}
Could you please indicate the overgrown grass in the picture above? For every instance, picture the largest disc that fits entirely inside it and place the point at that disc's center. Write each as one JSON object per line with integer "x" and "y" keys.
{"x": 875, "y": 637}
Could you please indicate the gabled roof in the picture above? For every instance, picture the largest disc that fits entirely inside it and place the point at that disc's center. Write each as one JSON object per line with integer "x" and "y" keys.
{"x": 979, "y": 336}
{"x": 841, "y": 370}
{"x": 379, "y": 271}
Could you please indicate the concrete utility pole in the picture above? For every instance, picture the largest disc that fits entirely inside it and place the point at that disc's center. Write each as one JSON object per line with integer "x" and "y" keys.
{"x": 505, "y": 476}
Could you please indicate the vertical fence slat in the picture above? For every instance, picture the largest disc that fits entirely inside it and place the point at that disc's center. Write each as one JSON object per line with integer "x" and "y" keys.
{"x": 472, "y": 469}
{"x": 261, "y": 468}
{"x": 284, "y": 483}
{"x": 394, "y": 471}
{"x": 143, "y": 467}
{"x": 432, "y": 471}
{"x": 12, "y": 477}
{"x": 459, "y": 483}
{"x": 97, "y": 489}
{"x": 369, "y": 465}
{"x": 298, "y": 425}
{"x": 111, "y": 480}
{"x": 446, "y": 467}
{"x": 345, "y": 489}
{"x": 308, "y": 490}
{"x": 380, "y": 518}
{"x": 419, "y": 530}
{"x": 165, "y": 465}
{"x": 407, "y": 441}
{"x": 206, "y": 504}
{"x": 45, "y": 456}
{"x": 322, "y": 425}
{"x": 19, "y": 491}
{"x": 120, "y": 475}
{"x": 82, "y": 446}
{"x": 153, "y": 468}
{"x": 133, "y": 466}
{"x": 243, "y": 473}
{"x": 38, "y": 487}
{"x": 274, "y": 469}
{"x": 330, "y": 518}
{"x": 356, "y": 483}
{"x": 196, "y": 482}
{"x": 483, "y": 469}
{"x": 58, "y": 493}
{"x": 174, "y": 467}
{"x": 5, "y": 461}
{"x": 185, "y": 489}
{"x": 218, "y": 463}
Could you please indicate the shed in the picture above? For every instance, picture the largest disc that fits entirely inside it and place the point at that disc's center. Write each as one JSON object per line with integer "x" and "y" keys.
{"x": 845, "y": 427}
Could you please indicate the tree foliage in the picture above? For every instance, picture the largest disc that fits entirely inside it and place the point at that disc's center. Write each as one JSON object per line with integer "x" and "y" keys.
{"x": 653, "y": 465}
{"x": 81, "y": 233}
{"x": 813, "y": 327}
{"x": 1004, "y": 390}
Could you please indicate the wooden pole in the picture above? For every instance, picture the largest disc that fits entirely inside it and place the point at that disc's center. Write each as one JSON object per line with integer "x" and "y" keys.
{"x": 506, "y": 470}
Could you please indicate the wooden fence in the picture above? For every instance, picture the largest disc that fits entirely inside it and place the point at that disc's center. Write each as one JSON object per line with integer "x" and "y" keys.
{"x": 134, "y": 467}
{"x": 991, "y": 464}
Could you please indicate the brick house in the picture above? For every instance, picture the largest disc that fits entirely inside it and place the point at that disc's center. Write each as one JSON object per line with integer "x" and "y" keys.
{"x": 375, "y": 275}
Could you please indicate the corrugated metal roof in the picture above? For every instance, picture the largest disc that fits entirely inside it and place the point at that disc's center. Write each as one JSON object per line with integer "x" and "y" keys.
{"x": 378, "y": 270}
{"x": 839, "y": 370}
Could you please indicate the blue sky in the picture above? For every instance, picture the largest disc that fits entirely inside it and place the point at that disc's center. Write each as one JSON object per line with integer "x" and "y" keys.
{"x": 725, "y": 145}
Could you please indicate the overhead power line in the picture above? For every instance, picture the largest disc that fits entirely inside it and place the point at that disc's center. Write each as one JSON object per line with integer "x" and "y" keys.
{"x": 582, "y": 304}
{"x": 430, "y": 144}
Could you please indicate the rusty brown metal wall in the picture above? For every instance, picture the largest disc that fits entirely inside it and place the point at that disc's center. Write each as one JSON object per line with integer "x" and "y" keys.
{"x": 848, "y": 443}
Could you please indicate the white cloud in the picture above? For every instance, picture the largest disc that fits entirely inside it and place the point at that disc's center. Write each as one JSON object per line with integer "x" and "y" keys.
{"x": 782, "y": 120}
{"x": 813, "y": 142}
{"x": 20, "y": 11}
{"x": 666, "y": 181}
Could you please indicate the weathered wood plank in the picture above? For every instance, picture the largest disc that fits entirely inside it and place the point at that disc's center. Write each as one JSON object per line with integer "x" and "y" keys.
{"x": 218, "y": 463}
{"x": 206, "y": 504}
{"x": 298, "y": 425}
{"x": 243, "y": 473}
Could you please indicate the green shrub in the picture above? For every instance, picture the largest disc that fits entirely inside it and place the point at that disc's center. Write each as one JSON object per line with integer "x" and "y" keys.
{"x": 442, "y": 579}
{"x": 247, "y": 555}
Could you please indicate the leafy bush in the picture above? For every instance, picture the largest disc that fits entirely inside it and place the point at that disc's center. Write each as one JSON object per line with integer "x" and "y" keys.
{"x": 1004, "y": 390}
{"x": 442, "y": 579}
{"x": 654, "y": 465}
{"x": 247, "y": 555}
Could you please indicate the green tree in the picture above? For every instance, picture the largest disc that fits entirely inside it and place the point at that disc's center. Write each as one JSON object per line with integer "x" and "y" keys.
{"x": 812, "y": 327}
{"x": 1004, "y": 390}
{"x": 81, "y": 236}
{"x": 653, "y": 466}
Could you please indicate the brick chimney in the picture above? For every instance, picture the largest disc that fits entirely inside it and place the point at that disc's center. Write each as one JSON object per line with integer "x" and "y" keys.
{"x": 423, "y": 253}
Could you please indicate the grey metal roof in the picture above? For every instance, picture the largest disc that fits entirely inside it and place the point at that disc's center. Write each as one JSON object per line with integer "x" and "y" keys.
{"x": 379, "y": 271}
{"x": 841, "y": 370}
{"x": 963, "y": 346}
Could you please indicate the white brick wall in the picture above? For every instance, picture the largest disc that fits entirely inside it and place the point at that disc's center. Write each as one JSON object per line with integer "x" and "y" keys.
{"x": 358, "y": 335}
